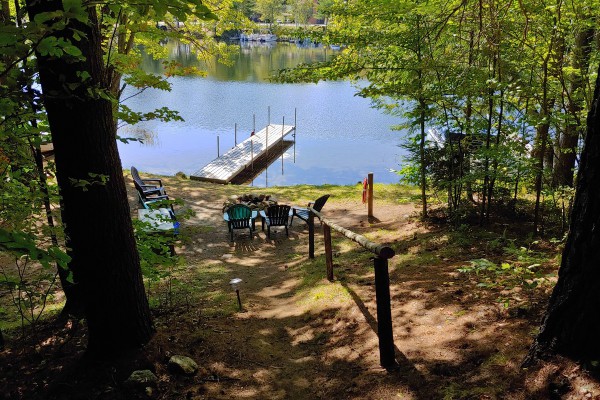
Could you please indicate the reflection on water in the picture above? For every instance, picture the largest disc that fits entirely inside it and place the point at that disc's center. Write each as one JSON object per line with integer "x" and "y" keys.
{"x": 251, "y": 62}
{"x": 339, "y": 137}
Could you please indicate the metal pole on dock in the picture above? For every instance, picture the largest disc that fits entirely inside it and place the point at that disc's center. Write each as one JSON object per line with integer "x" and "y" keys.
{"x": 295, "y": 135}
{"x": 252, "y": 153}
{"x": 269, "y": 115}
{"x": 282, "y": 126}
{"x": 267, "y": 141}
{"x": 253, "y": 122}
{"x": 218, "y": 151}
{"x": 235, "y": 134}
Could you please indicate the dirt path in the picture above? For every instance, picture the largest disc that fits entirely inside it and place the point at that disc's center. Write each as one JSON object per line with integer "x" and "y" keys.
{"x": 302, "y": 337}
{"x": 299, "y": 336}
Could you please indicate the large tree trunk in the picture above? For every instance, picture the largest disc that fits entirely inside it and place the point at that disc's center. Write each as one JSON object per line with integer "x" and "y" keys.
{"x": 571, "y": 325}
{"x": 98, "y": 226}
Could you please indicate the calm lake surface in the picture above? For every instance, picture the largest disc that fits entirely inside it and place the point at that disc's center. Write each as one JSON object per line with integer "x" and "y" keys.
{"x": 339, "y": 137}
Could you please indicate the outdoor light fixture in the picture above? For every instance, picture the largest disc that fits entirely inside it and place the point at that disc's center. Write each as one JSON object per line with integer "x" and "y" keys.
{"x": 235, "y": 284}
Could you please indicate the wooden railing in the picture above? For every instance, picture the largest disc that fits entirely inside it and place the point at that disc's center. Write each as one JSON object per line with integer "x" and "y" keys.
{"x": 382, "y": 279}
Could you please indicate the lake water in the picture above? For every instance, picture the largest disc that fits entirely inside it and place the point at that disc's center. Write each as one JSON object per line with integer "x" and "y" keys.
{"x": 339, "y": 139}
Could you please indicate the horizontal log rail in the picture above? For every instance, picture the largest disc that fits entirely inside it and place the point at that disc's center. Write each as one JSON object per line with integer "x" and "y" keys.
{"x": 383, "y": 253}
{"x": 380, "y": 250}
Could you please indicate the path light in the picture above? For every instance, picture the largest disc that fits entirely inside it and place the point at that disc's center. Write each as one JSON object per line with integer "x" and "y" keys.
{"x": 235, "y": 284}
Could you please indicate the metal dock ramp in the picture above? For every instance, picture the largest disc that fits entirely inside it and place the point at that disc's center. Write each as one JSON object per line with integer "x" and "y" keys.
{"x": 228, "y": 166}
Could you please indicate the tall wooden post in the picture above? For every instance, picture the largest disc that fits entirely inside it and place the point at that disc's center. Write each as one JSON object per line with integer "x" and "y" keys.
{"x": 311, "y": 235}
{"x": 328, "y": 251}
{"x": 384, "y": 313}
{"x": 370, "y": 195}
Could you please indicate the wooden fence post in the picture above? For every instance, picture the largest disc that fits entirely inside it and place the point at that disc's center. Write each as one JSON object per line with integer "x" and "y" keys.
{"x": 311, "y": 234}
{"x": 384, "y": 313}
{"x": 370, "y": 195}
{"x": 328, "y": 252}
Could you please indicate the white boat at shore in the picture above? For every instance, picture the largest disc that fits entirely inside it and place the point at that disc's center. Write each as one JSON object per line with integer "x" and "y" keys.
{"x": 259, "y": 37}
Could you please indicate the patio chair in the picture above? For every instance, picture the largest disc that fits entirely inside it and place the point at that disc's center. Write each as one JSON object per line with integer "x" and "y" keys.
{"x": 144, "y": 186}
{"x": 276, "y": 215}
{"x": 144, "y": 183}
{"x": 146, "y": 191}
{"x": 240, "y": 216}
{"x": 303, "y": 213}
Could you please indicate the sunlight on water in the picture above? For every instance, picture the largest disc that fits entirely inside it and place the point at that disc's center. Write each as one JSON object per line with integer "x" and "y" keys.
{"x": 339, "y": 137}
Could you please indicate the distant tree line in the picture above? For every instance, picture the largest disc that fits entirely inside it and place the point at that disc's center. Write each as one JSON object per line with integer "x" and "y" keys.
{"x": 286, "y": 11}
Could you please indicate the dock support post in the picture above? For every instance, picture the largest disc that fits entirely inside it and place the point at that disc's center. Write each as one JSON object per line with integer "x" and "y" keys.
{"x": 267, "y": 141}
{"x": 311, "y": 235}
{"x": 384, "y": 313}
{"x": 295, "y": 115}
{"x": 218, "y": 150}
{"x": 269, "y": 115}
{"x": 235, "y": 134}
{"x": 328, "y": 251}
{"x": 252, "y": 153}
{"x": 253, "y": 122}
{"x": 282, "y": 127}
{"x": 370, "y": 195}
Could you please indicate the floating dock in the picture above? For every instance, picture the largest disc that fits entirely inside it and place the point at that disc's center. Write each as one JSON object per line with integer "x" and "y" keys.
{"x": 237, "y": 164}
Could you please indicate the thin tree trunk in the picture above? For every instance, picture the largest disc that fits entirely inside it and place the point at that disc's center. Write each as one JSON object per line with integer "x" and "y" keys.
{"x": 540, "y": 147}
{"x": 497, "y": 145}
{"x": 571, "y": 325}
{"x": 422, "y": 108}
{"x": 96, "y": 215}
{"x": 422, "y": 156}
{"x": 468, "y": 127}
{"x": 488, "y": 138}
{"x": 74, "y": 303}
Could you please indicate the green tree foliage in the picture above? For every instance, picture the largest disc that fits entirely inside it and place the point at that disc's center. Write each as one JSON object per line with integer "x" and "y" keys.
{"x": 302, "y": 10}
{"x": 502, "y": 83}
{"x": 268, "y": 9}
{"x": 62, "y": 71}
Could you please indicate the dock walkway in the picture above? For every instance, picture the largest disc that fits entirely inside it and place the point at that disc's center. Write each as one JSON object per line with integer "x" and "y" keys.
{"x": 225, "y": 168}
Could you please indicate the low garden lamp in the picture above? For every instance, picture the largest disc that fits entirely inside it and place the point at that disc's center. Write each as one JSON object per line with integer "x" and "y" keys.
{"x": 235, "y": 284}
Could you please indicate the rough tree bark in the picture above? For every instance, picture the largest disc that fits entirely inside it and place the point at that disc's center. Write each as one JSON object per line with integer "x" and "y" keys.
{"x": 105, "y": 261}
{"x": 562, "y": 174}
{"x": 571, "y": 325}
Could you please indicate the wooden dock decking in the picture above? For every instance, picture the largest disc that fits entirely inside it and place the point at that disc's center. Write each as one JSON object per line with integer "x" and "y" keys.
{"x": 228, "y": 166}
